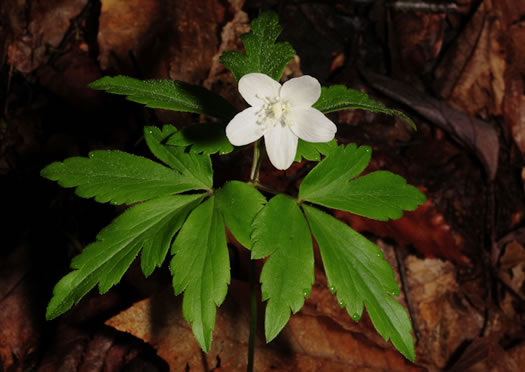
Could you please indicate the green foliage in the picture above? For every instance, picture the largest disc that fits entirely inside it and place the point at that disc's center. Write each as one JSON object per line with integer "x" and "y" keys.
{"x": 262, "y": 53}
{"x": 208, "y": 138}
{"x": 339, "y": 97}
{"x": 118, "y": 177}
{"x": 356, "y": 270}
{"x": 194, "y": 167}
{"x": 379, "y": 195}
{"x": 344, "y": 163}
{"x": 201, "y": 268}
{"x": 150, "y": 225}
{"x": 313, "y": 151}
{"x": 239, "y": 203}
{"x": 280, "y": 230}
{"x": 167, "y": 94}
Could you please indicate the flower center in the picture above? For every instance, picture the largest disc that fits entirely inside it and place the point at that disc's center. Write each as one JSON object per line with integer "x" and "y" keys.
{"x": 272, "y": 112}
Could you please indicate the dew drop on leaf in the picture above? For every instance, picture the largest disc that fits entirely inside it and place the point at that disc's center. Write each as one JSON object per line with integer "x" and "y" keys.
{"x": 306, "y": 292}
{"x": 341, "y": 303}
{"x": 92, "y": 155}
{"x": 355, "y": 316}
{"x": 332, "y": 289}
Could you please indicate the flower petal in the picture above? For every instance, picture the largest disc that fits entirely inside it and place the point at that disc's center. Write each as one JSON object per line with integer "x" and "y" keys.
{"x": 311, "y": 125}
{"x": 243, "y": 128}
{"x": 281, "y": 146}
{"x": 301, "y": 91}
{"x": 255, "y": 87}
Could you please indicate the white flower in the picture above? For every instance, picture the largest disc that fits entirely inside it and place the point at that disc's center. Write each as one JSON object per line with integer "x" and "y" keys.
{"x": 281, "y": 114}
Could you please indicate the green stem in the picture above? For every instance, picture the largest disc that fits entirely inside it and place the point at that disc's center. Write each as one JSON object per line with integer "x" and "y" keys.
{"x": 253, "y": 311}
{"x": 256, "y": 162}
{"x": 254, "y": 179}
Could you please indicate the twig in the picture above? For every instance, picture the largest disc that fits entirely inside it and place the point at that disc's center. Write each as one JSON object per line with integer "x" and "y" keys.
{"x": 432, "y": 7}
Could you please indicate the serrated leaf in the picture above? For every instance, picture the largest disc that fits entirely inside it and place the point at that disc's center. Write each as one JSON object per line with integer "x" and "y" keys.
{"x": 280, "y": 230}
{"x": 167, "y": 94}
{"x": 313, "y": 151}
{"x": 380, "y": 195}
{"x": 201, "y": 268}
{"x": 262, "y": 53}
{"x": 343, "y": 164}
{"x": 356, "y": 270}
{"x": 118, "y": 177}
{"x": 195, "y": 167}
{"x": 339, "y": 97}
{"x": 151, "y": 225}
{"x": 207, "y": 138}
{"x": 239, "y": 203}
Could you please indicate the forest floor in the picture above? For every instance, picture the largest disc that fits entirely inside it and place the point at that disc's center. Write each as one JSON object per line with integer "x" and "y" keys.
{"x": 456, "y": 67}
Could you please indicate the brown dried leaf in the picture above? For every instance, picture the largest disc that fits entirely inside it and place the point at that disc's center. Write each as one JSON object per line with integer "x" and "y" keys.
{"x": 514, "y": 100}
{"x": 127, "y": 27}
{"x": 425, "y": 229}
{"x": 48, "y": 22}
{"x": 478, "y": 135}
{"x": 416, "y": 40}
{"x": 175, "y": 40}
{"x": 443, "y": 316}
{"x": 514, "y": 107}
{"x": 19, "y": 334}
{"x": 471, "y": 75}
{"x": 512, "y": 273}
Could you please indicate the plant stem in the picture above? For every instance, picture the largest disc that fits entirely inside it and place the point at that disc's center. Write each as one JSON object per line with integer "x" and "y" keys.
{"x": 254, "y": 179}
{"x": 256, "y": 162}
{"x": 253, "y": 315}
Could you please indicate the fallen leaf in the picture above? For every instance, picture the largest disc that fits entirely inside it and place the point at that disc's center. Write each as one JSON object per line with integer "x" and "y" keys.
{"x": 124, "y": 30}
{"x": 44, "y": 29}
{"x": 19, "y": 330}
{"x": 175, "y": 40}
{"x": 425, "y": 228}
{"x": 416, "y": 39}
{"x": 219, "y": 79}
{"x": 514, "y": 107}
{"x": 471, "y": 73}
{"x": 444, "y": 317}
{"x": 511, "y": 272}
{"x": 478, "y": 135}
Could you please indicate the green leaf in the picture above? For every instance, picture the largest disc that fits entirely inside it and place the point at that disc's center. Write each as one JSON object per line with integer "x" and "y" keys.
{"x": 118, "y": 177}
{"x": 195, "y": 167}
{"x": 280, "y": 230}
{"x": 151, "y": 225}
{"x": 201, "y": 269}
{"x": 208, "y": 138}
{"x": 339, "y": 97}
{"x": 167, "y": 94}
{"x": 356, "y": 270}
{"x": 239, "y": 203}
{"x": 379, "y": 195}
{"x": 313, "y": 151}
{"x": 342, "y": 164}
{"x": 262, "y": 53}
